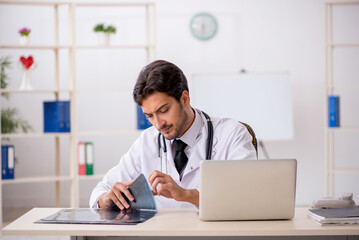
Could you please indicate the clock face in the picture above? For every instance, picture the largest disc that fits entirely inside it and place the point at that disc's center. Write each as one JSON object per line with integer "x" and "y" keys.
{"x": 203, "y": 26}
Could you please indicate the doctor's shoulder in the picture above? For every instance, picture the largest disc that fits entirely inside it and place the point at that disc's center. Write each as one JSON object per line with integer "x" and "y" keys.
{"x": 147, "y": 139}
{"x": 148, "y": 135}
{"x": 228, "y": 126}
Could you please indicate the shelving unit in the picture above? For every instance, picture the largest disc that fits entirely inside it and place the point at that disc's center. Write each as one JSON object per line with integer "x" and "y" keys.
{"x": 330, "y": 88}
{"x": 72, "y": 90}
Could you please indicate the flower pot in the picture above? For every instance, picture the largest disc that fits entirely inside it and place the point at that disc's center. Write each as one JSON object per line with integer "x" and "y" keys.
{"x": 103, "y": 38}
{"x": 24, "y": 40}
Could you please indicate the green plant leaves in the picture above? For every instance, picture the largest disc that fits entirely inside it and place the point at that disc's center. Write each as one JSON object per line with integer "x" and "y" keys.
{"x": 11, "y": 121}
{"x": 101, "y": 28}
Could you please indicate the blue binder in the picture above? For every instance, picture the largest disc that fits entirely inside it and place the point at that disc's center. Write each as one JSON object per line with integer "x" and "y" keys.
{"x": 142, "y": 121}
{"x": 7, "y": 161}
{"x": 333, "y": 111}
{"x": 57, "y": 116}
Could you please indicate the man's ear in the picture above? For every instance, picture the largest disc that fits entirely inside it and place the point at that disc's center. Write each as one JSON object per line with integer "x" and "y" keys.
{"x": 185, "y": 99}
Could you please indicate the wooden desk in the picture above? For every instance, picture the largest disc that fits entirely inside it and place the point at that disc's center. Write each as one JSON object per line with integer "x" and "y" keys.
{"x": 183, "y": 223}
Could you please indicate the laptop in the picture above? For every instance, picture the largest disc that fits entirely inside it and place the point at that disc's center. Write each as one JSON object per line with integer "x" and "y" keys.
{"x": 247, "y": 189}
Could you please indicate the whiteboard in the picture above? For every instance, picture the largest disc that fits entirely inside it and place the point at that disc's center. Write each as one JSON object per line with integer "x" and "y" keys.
{"x": 262, "y": 100}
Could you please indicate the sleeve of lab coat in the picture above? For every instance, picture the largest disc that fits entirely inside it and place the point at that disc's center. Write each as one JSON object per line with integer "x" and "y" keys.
{"x": 129, "y": 168}
{"x": 233, "y": 140}
{"x": 241, "y": 144}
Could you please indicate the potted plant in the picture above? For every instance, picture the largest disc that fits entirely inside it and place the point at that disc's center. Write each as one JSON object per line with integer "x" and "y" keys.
{"x": 11, "y": 122}
{"x": 104, "y": 33}
{"x": 24, "y": 36}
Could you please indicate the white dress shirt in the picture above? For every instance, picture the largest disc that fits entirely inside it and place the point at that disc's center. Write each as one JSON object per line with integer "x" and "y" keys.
{"x": 231, "y": 140}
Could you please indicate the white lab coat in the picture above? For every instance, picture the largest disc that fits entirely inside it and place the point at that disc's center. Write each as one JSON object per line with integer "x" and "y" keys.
{"x": 231, "y": 140}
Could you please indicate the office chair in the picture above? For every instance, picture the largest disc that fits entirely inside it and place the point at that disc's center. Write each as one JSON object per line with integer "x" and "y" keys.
{"x": 254, "y": 139}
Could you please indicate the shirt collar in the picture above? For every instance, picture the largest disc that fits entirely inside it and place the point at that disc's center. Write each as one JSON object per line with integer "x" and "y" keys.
{"x": 191, "y": 134}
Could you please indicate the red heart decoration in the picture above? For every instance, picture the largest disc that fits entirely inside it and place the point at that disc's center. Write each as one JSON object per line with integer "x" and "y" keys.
{"x": 27, "y": 62}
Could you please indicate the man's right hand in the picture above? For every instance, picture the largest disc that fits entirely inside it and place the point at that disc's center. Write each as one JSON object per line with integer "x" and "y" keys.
{"x": 114, "y": 195}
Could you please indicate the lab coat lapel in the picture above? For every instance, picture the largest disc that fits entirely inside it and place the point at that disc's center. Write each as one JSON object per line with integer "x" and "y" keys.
{"x": 194, "y": 161}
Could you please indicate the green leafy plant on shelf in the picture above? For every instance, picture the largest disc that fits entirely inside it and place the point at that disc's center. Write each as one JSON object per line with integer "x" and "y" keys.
{"x": 103, "y": 33}
{"x": 101, "y": 28}
{"x": 11, "y": 121}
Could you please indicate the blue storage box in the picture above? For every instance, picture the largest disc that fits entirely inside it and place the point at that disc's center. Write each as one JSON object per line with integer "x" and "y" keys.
{"x": 142, "y": 121}
{"x": 57, "y": 116}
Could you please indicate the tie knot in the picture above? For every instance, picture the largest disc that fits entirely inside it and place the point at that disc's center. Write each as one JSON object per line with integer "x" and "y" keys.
{"x": 179, "y": 145}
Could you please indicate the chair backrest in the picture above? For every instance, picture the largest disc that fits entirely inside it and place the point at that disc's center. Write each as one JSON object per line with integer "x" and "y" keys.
{"x": 254, "y": 139}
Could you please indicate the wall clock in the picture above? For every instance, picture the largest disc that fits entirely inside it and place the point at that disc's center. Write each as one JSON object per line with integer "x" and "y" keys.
{"x": 203, "y": 26}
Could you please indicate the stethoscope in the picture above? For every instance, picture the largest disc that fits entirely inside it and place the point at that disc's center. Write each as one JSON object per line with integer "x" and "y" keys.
{"x": 164, "y": 147}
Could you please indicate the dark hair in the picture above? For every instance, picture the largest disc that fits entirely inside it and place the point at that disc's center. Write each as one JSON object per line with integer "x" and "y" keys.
{"x": 160, "y": 76}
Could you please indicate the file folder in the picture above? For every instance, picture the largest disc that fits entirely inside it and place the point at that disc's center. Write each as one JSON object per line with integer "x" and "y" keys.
{"x": 7, "y": 162}
{"x": 4, "y": 167}
{"x": 89, "y": 158}
{"x": 142, "y": 121}
{"x": 333, "y": 111}
{"x": 81, "y": 158}
{"x": 11, "y": 161}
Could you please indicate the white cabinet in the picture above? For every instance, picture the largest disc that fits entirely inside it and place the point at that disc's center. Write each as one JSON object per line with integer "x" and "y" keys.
{"x": 77, "y": 63}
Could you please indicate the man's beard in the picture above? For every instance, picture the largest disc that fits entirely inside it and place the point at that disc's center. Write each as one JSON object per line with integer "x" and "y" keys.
{"x": 183, "y": 121}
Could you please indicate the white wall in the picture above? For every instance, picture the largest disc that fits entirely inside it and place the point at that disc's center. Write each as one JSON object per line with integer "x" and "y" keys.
{"x": 260, "y": 35}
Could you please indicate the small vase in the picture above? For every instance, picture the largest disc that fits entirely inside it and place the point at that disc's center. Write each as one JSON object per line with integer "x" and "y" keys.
{"x": 25, "y": 84}
{"x": 103, "y": 39}
{"x": 24, "y": 40}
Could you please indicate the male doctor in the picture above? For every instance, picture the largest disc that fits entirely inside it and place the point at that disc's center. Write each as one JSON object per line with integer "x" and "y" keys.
{"x": 169, "y": 152}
